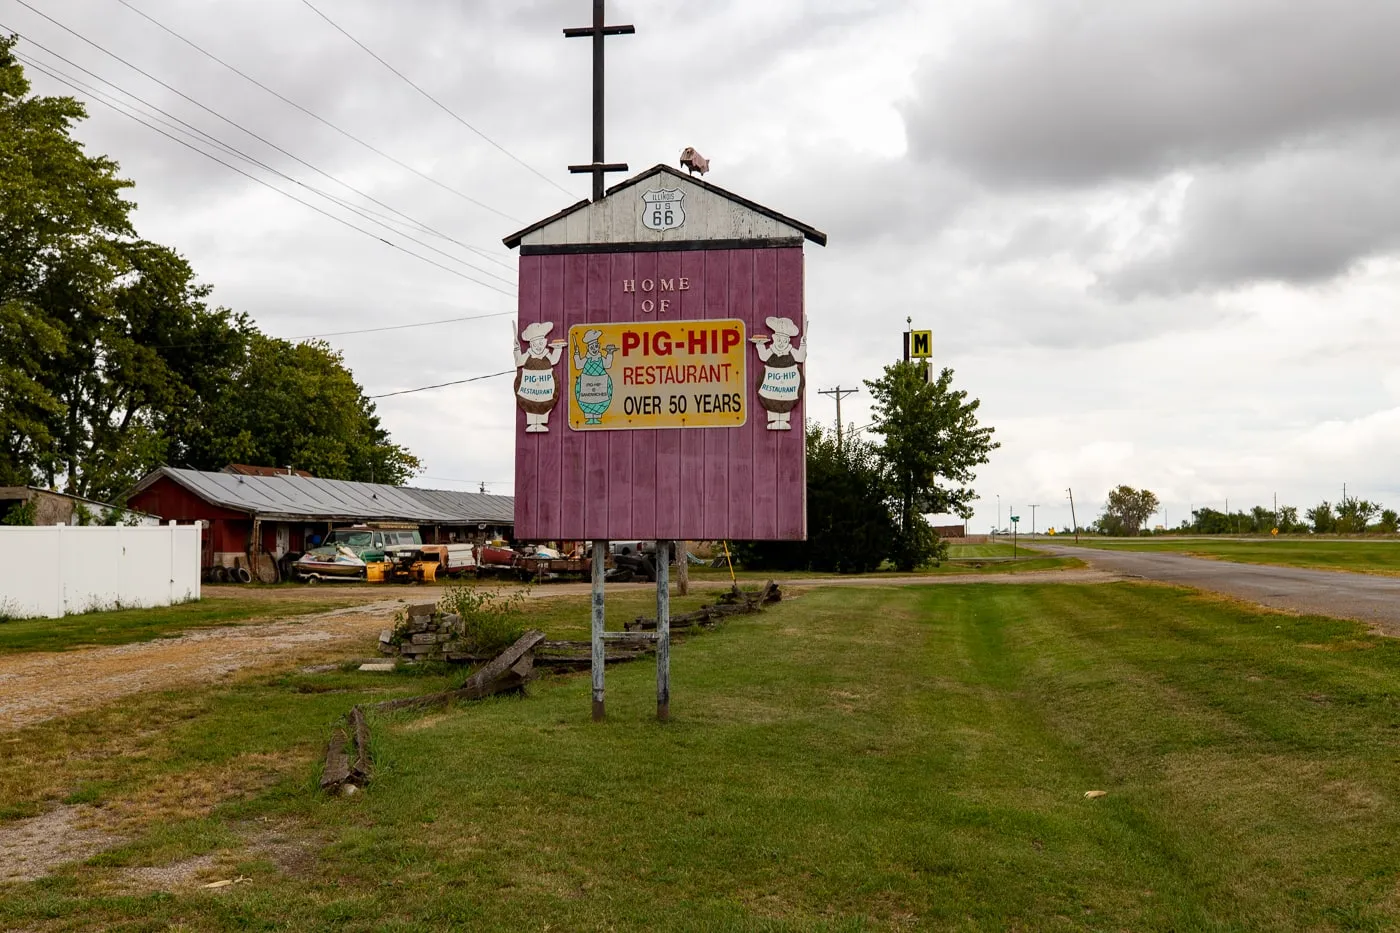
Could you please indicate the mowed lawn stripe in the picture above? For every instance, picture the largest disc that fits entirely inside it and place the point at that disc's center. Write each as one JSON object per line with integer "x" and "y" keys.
{"x": 1214, "y": 723}
{"x": 850, "y": 759}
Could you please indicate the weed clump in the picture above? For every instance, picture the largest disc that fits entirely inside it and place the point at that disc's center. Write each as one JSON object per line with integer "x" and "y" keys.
{"x": 491, "y": 619}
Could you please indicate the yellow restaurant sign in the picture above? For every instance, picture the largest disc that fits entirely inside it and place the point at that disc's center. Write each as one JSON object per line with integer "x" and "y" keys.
{"x": 671, "y": 374}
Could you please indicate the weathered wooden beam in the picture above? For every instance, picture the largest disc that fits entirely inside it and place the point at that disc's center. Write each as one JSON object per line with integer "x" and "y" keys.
{"x": 337, "y": 768}
{"x": 494, "y": 677}
{"x": 359, "y": 730}
{"x": 504, "y": 660}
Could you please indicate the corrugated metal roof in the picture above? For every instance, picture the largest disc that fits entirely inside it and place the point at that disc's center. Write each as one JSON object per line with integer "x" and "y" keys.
{"x": 471, "y": 506}
{"x": 299, "y": 497}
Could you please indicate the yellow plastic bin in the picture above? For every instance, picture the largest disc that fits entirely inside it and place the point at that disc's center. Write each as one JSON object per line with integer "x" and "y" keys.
{"x": 374, "y": 573}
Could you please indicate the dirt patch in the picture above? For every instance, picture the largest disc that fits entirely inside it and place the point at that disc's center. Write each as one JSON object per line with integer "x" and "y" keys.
{"x": 195, "y": 793}
{"x": 182, "y": 874}
{"x": 35, "y": 687}
{"x": 33, "y": 848}
{"x": 289, "y": 847}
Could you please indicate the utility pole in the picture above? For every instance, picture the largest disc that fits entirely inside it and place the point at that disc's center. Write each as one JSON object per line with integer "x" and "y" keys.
{"x": 1034, "y": 506}
{"x": 598, "y": 32}
{"x": 1071, "y": 515}
{"x": 597, "y": 168}
{"x": 838, "y": 393}
{"x": 998, "y": 528}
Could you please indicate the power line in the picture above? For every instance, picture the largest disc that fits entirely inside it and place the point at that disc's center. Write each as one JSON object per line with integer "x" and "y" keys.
{"x": 441, "y": 385}
{"x": 196, "y": 133}
{"x": 234, "y": 124}
{"x": 315, "y": 116}
{"x": 346, "y": 333}
{"x": 287, "y": 194}
{"x": 445, "y": 109}
{"x": 188, "y": 129}
{"x": 375, "y": 330}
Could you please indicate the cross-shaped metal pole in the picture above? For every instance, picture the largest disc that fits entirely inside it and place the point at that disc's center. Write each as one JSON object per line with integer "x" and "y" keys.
{"x": 598, "y": 31}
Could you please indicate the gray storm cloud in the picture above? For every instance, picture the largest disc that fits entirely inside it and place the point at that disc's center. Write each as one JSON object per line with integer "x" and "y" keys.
{"x": 1078, "y": 93}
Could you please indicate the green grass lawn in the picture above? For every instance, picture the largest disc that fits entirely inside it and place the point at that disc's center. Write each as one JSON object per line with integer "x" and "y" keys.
{"x": 123, "y": 626}
{"x": 965, "y": 551}
{"x": 1354, "y": 554}
{"x": 853, "y": 759}
{"x": 960, "y": 558}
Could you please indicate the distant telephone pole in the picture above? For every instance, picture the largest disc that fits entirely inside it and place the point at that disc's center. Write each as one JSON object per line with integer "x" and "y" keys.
{"x": 1034, "y": 506}
{"x": 1071, "y": 515}
{"x": 838, "y": 393}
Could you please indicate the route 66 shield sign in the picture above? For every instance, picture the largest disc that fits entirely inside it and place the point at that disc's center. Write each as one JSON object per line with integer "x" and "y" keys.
{"x": 662, "y": 209}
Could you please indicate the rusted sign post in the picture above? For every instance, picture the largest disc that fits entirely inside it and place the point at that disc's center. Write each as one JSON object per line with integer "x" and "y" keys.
{"x": 666, "y": 318}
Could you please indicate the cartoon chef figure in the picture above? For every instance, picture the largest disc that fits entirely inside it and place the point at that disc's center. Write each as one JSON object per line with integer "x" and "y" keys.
{"x": 593, "y": 388}
{"x": 780, "y": 385}
{"x": 535, "y": 390}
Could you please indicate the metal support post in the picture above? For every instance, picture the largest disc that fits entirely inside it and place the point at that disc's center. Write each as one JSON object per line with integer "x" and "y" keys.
{"x": 600, "y": 550}
{"x": 663, "y": 630}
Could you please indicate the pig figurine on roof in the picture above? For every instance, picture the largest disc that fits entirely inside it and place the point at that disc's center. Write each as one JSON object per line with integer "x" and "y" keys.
{"x": 694, "y": 161}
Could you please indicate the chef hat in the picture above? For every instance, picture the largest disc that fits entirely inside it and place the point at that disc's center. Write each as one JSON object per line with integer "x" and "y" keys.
{"x": 591, "y": 335}
{"x": 537, "y": 329}
{"x": 781, "y": 325}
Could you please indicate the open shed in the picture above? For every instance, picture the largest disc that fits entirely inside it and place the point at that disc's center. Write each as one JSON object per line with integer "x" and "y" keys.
{"x": 249, "y": 516}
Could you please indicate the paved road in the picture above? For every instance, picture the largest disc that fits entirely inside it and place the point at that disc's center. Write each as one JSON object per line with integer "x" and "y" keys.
{"x": 1365, "y": 597}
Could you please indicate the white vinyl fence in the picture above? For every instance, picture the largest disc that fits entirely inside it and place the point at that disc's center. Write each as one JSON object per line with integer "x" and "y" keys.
{"x": 56, "y": 570}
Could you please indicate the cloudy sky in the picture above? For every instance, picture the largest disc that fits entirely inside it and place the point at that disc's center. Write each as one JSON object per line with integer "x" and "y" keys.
{"x": 1159, "y": 240}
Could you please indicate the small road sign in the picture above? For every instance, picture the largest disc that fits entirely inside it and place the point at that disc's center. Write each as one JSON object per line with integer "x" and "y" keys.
{"x": 921, "y": 344}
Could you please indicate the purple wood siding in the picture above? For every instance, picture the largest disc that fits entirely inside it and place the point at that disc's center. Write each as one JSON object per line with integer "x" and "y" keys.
{"x": 744, "y": 483}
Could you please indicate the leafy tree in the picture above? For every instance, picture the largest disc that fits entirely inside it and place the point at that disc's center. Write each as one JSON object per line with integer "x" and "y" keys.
{"x": 1389, "y": 523}
{"x": 287, "y": 404}
{"x": 1288, "y": 520}
{"x": 134, "y": 368}
{"x": 111, "y": 362}
{"x": 1126, "y": 510}
{"x": 930, "y": 448}
{"x": 61, "y": 218}
{"x": 850, "y": 528}
{"x": 1321, "y": 519}
{"x": 1353, "y": 515}
{"x": 1208, "y": 521}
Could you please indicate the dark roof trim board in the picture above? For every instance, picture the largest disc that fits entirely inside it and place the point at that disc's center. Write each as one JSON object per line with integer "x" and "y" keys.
{"x": 808, "y": 231}
{"x": 514, "y": 239}
{"x": 657, "y": 246}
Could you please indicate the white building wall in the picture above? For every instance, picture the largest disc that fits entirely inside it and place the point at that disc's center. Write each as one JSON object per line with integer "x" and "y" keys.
{"x": 58, "y": 570}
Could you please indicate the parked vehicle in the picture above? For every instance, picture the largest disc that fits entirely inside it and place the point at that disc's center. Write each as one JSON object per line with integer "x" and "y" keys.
{"x": 334, "y": 562}
{"x": 452, "y": 559}
{"x": 347, "y": 552}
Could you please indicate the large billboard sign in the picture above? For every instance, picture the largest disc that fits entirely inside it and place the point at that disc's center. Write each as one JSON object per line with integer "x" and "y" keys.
{"x": 661, "y": 368}
{"x": 657, "y": 374}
